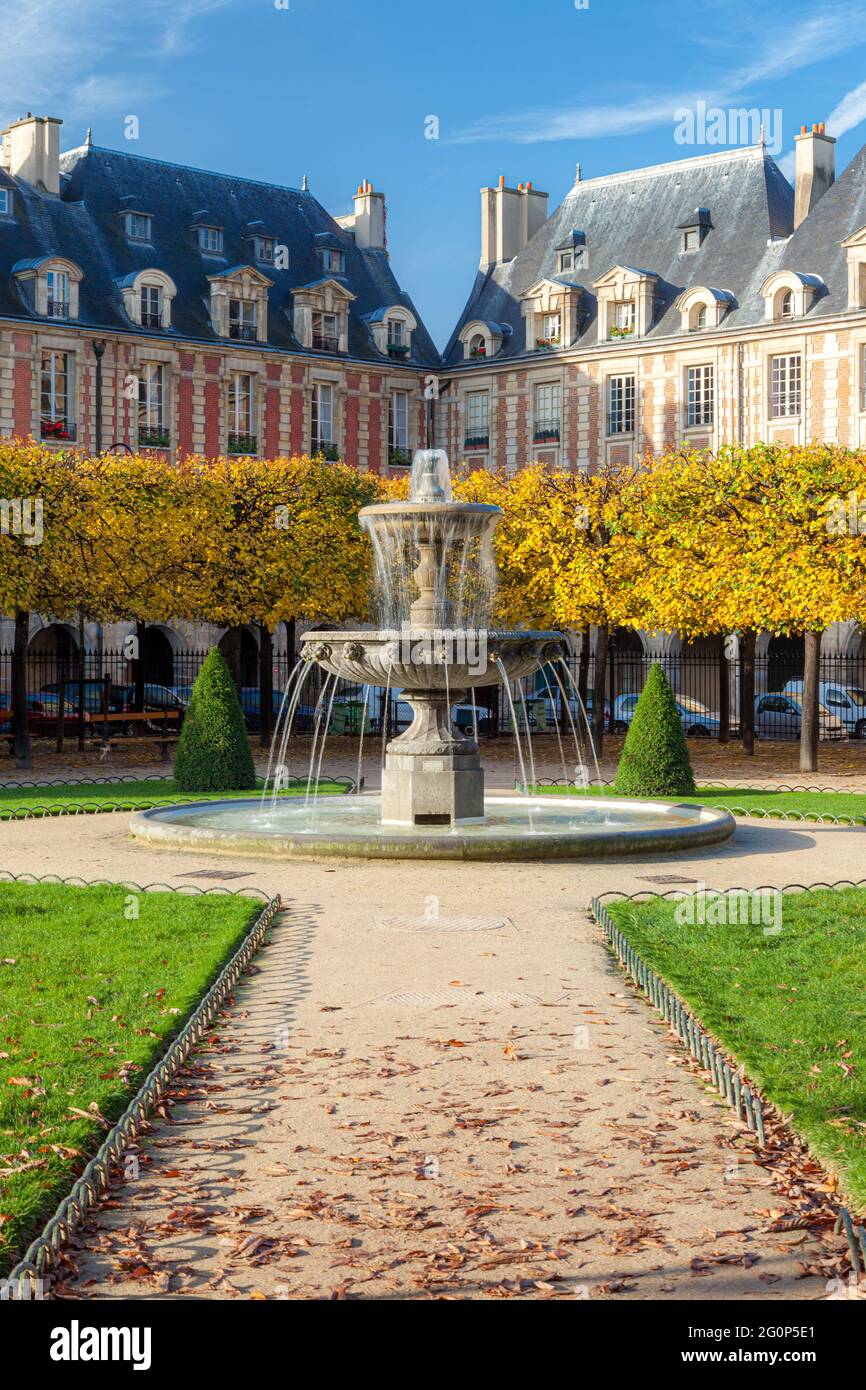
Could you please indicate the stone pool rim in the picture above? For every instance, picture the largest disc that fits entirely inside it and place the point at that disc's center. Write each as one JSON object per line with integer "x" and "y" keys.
{"x": 706, "y": 826}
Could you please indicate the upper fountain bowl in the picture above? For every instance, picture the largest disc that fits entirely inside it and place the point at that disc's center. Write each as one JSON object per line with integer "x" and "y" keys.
{"x": 418, "y": 659}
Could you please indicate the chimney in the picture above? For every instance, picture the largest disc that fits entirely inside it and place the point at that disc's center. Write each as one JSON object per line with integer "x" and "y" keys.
{"x": 815, "y": 169}
{"x": 510, "y": 217}
{"x": 368, "y": 222}
{"x": 31, "y": 151}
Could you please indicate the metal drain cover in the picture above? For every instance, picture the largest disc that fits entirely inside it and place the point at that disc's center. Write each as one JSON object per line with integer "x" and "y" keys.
{"x": 463, "y": 998}
{"x": 428, "y": 925}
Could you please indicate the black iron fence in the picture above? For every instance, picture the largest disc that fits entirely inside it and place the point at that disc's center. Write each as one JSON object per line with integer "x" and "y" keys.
{"x": 708, "y": 690}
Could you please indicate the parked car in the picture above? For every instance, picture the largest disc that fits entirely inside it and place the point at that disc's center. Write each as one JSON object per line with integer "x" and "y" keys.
{"x": 251, "y": 704}
{"x": 847, "y": 702}
{"x": 348, "y": 708}
{"x": 696, "y": 719}
{"x": 94, "y": 695}
{"x": 780, "y": 716}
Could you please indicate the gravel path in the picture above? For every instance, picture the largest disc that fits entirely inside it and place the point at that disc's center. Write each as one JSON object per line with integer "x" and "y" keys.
{"x": 465, "y": 1100}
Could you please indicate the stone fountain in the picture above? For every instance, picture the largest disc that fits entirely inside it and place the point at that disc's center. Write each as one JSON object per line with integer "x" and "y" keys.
{"x": 435, "y": 580}
{"x": 432, "y": 773}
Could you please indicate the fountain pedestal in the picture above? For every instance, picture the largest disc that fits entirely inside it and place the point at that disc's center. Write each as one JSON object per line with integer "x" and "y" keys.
{"x": 432, "y": 773}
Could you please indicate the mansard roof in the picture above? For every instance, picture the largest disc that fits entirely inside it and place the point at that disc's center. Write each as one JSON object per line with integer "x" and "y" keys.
{"x": 84, "y": 224}
{"x": 635, "y": 219}
{"x": 816, "y": 245}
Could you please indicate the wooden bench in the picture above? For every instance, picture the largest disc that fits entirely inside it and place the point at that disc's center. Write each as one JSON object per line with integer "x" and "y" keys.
{"x": 96, "y": 726}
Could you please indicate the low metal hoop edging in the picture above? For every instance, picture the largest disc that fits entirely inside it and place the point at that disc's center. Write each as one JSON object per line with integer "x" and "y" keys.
{"x": 41, "y": 1255}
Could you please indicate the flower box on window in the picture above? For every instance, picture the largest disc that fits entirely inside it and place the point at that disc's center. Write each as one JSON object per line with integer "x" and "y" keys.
{"x": 547, "y": 342}
{"x": 243, "y": 444}
{"x": 399, "y": 458}
{"x": 154, "y": 438}
{"x": 398, "y": 349}
{"x": 478, "y": 352}
{"x": 546, "y": 434}
{"x": 476, "y": 441}
{"x": 622, "y": 332}
{"x": 58, "y": 429}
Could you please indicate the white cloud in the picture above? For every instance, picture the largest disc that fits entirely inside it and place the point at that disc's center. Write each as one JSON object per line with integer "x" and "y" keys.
{"x": 829, "y": 31}
{"x": 74, "y": 60}
{"x": 849, "y": 112}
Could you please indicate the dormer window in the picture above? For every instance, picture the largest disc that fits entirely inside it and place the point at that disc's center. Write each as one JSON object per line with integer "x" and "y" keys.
{"x": 57, "y": 303}
{"x": 702, "y": 307}
{"x": 477, "y": 345}
{"x": 789, "y": 294}
{"x": 622, "y": 319}
{"x": 571, "y": 253}
{"x": 566, "y": 262}
{"x": 700, "y": 318}
{"x": 139, "y": 226}
{"x": 150, "y": 302}
{"x": 5, "y": 202}
{"x": 325, "y": 333}
{"x": 694, "y": 229}
{"x": 333, "y": 261}
{"x": 210, "y": 240}
{"x": 398, "y": 345}
{"x": 242, "y": 320}
{"x": 263, "y": 249}
{"x": 551, "y": 331}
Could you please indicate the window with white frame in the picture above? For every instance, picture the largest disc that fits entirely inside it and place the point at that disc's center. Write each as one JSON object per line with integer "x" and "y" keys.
{"x": 151, "y": 306}
{"x": 57, "y": 303}
{"x": 332, "y": 260}
{"x": 139, "y": 226}
{"x": 566, "y": 262}
{"x": 786, "y": 305}
{"x": 620, "y": 404}
{"x": 152, "y": 428}
{"x": 210, "y": 240}
{"x": 263, "y": 248}
{"x": 241, "y": 419}
{"x": 5, "y": 202}
{"x": 699, "y": 396}
{"x": 546, "y": 413}
{"x": 785, "y": 380}
{"x": 622, "y": 318}
{"x": 477, "y": 420}
{"x": 55, "y": 403}
{"x": 242, "y": 320}
{"x": 397, "y": 338}
{"x": 322, "y": 418}
{"x": 325, "y": 332}
{"x": 398, "y": 428}
{"x": 551, "y": 325}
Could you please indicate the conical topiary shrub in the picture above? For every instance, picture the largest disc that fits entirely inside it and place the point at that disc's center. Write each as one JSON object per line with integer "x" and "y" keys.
{"x": 213, "y": 754}
{"x": 655, "y": 759}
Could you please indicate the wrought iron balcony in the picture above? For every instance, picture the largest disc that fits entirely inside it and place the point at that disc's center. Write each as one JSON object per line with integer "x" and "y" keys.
{"x": 398, "y": 457}
{"x": 57, "y": 309}
{"x": 243, "y": 444}
{"x": 546, "y": 432}
{"x": 398, "y": 350}
{"x": 244, "y": 332}
{"x": 476, "y": 441}
{"x": 326, "y": 447}
{"x": 153, "y": 437}
{"x": 326, "y": 342}
{"x": 58, "y": 429}
{"x": 151, "y": 320}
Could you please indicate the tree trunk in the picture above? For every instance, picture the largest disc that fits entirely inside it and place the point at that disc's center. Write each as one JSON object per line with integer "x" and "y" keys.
{"x": 20, "y": 726}
{"x": 602, "y": 638}
{"x": 747, "y": 692}
{"x": 583, "y": 667}
{"x": 809, "y": 722}
{"x": 724, "y": 692}
{"x": 233, "y": 656}
{"x": 81, "y": 677}
{"x": 266, "y": 686}
{"x": 138, "y": 700}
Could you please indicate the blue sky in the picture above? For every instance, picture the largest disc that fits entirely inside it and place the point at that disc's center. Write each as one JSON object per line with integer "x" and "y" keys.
{"x": 340, "y": 90}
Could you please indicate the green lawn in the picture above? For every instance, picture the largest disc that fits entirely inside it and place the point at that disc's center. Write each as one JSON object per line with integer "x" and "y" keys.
{"x": 753, "y": 801}
{"x": 790, "y": 1007}
{"x": 88, "y": 1001}
{"x": 126, "y": 796}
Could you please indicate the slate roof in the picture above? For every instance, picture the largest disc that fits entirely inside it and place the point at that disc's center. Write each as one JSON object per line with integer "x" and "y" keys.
{"x": 634, "y": 219}
{"x": 816, "y": 246}
{"x": 85, "y": 224}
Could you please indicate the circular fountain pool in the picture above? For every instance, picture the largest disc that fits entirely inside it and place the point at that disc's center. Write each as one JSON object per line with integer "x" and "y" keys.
{"x": 514, "y": 827}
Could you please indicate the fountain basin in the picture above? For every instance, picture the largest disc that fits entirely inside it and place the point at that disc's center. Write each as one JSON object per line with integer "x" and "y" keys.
{"x": 514, "y": 828}
{"x": 414, "y": 658}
